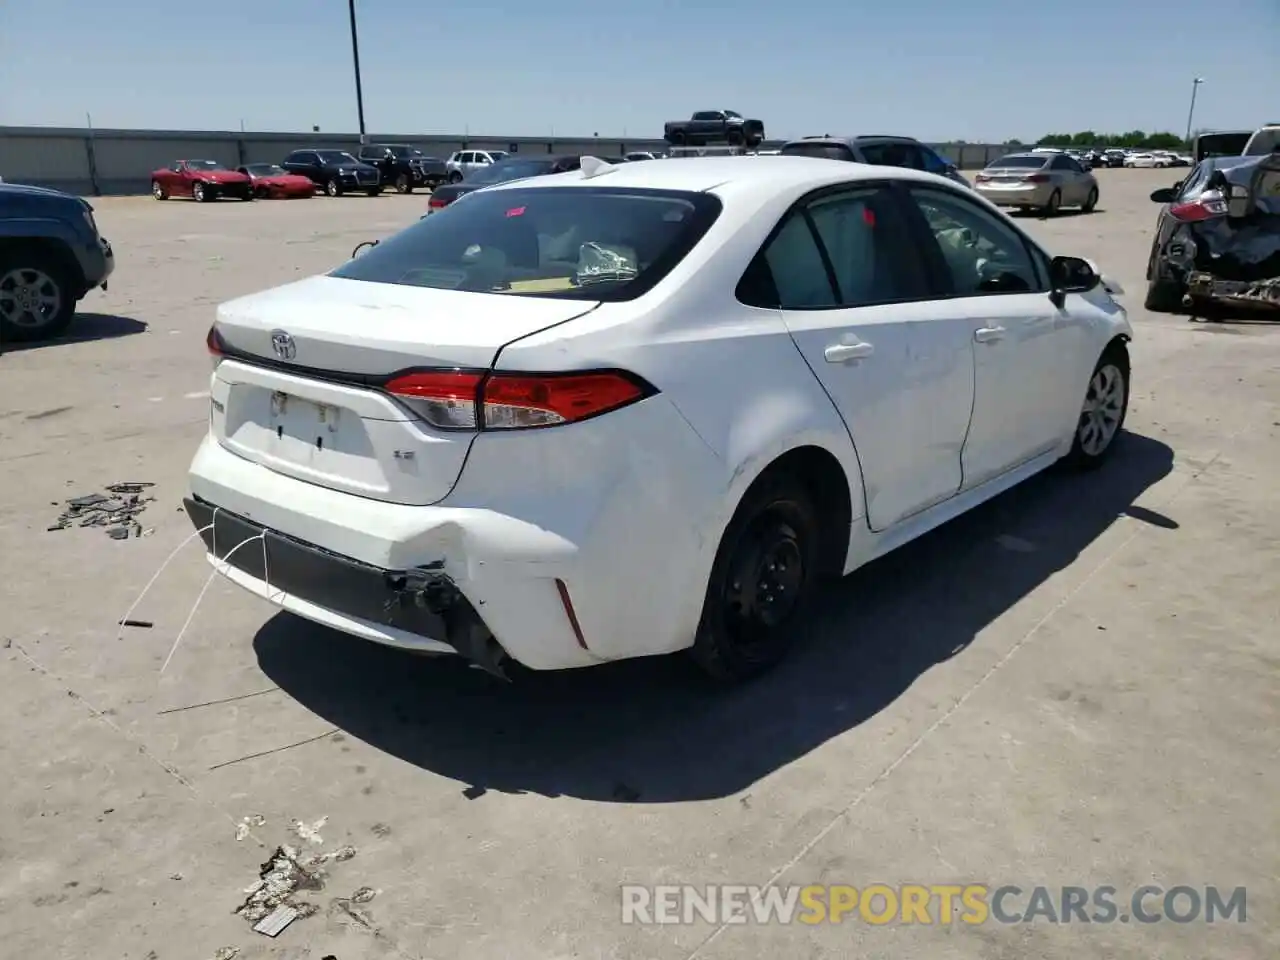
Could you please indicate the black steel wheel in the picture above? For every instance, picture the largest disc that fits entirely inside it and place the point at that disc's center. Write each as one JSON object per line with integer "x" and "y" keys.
{"x": 761, "y": 582}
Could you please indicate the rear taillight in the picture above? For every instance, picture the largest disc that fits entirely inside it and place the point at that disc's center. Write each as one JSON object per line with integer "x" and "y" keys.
{"x": 462, "y": 400}
{"x": 437, "y": 202}
{"x": 1037, "y": 178}
{"x": 217, "y": 346}
{"x": 981, "y": 178}
{"x": 1205, "y": 208}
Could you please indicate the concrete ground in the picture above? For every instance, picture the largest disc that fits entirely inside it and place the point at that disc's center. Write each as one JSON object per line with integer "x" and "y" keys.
{"x": 1075, "y": 685}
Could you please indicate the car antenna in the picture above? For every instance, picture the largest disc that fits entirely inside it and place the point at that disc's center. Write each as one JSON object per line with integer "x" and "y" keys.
{"x": 594, "y": 167}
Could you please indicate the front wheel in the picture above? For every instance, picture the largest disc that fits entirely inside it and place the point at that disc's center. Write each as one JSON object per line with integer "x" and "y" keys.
{"x": 37, "y": 301}
{"x": 763, "y": 578}
{"x": 1106, "y": 402}
{"x": 199, "y": 193}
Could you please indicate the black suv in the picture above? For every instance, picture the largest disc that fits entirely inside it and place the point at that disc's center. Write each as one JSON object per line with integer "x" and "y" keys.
{"x": 880, "y": 151}
{"x": 403, "y": 166}
{"x": 335, "y": 171}
{"x": 51, "y": 255}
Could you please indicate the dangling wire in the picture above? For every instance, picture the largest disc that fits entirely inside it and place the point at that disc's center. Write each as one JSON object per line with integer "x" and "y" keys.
{"x": 156, "y": 576}
{"x": 203, "y": 590}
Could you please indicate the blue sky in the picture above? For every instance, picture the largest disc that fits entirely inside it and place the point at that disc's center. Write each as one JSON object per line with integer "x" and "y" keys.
{"x": 935, "y": 69}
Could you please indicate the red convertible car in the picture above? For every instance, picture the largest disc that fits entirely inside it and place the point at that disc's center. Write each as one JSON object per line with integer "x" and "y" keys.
{"x": 200, "y": 180}
{"x": 272, "y": 181}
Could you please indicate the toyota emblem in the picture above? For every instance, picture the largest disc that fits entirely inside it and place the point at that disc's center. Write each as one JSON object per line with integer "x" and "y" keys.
{"x": 283, "y": 346}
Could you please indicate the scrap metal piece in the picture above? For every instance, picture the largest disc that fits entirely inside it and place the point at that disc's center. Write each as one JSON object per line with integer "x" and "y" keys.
{"x": 273, "y": 924}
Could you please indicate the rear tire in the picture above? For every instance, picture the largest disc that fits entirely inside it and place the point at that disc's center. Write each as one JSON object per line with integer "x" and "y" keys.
{"x": 37, "y": 297}
{"x": 333, "y": 188}
{"x": 1054, "y": 205}
{"x": 763, "y": 578}
{"x": 158, "y": 191}
{"x": 1091, "y": 201}
{"x": 455, "y": 177}
{"x": 404, "y": 184}
{"x": 1102, "y": 415}
{"x": 374, "y": 191}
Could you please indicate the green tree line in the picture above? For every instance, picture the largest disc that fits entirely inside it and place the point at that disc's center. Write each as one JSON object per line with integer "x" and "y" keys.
{"x": 1090, "y": 138}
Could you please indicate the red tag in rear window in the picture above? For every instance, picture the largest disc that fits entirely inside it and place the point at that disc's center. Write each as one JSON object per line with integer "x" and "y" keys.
{"x": 868, "y": 216}
{"x": 515, "y": 212}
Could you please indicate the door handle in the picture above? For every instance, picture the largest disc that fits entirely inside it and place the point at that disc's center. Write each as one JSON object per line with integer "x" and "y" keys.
{"x": 840, "y": 352}
{"x": 988, "y": 334}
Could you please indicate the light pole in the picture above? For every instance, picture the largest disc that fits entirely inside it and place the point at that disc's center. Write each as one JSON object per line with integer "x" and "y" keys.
{"x": 1195, "y": 85}
{"x": 355, "y": 58}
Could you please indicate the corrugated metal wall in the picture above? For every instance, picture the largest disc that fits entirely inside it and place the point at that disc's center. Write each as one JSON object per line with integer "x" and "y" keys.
{"x": 121, "y": 161}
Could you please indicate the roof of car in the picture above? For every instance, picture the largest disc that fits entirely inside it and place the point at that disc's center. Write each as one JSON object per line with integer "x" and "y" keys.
{"x": 701, "y": 174}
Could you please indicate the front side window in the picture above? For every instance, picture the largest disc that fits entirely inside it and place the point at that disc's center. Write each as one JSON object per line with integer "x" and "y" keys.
{"x": 932, "y": 162}
{"x": 983, "y": 254}
{"x": 581, "y": 243}
{"x": 890, "y": 155}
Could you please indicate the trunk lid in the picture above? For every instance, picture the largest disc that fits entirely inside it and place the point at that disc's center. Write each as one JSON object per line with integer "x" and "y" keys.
{"x": 305, "y": 400}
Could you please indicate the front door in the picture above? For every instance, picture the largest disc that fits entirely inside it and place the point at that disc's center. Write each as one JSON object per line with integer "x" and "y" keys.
{"x": 856, "y": 302}
{"x": 1026, "y": 349}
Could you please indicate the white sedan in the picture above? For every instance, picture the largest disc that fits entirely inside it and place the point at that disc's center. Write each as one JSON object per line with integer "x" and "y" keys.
{"x": 643, "y": 408}
{"x": 1145, "y": 160}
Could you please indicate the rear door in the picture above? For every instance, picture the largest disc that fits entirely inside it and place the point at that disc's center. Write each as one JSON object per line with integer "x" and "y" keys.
{"x": 856, "y": 302}
{"x": 1026, "y": 350}
{"x": 302, "y": 387}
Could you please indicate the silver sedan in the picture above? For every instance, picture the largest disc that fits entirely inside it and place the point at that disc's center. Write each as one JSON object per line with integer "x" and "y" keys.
{"x": 1042, "y": 181}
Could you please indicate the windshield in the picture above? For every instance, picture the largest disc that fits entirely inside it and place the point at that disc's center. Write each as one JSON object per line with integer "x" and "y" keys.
{"x": 1221, "y": 144}
{"x": 497, "y": 155}
{"x": 513, "y": 170}
{"x": 1021, "y": 162}
{"x": 826, "y": 151}
{"x": 205, "y": 165}
{"x": 582, "y": 243}
{"x": 336, "y": 156}
{"x": 265, "y": 170}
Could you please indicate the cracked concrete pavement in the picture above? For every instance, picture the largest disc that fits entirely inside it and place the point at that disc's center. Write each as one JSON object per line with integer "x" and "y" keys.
{"x": 1074, "y": 685}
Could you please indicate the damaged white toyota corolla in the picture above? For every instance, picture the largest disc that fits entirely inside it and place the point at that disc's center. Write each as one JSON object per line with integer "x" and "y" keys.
{"x": 634, "y": 409}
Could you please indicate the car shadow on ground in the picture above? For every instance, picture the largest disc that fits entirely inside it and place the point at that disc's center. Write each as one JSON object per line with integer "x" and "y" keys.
{"x": 652, "y": 730}
{"x": 85, "y": 327}
{"x": 1061, "y": 214}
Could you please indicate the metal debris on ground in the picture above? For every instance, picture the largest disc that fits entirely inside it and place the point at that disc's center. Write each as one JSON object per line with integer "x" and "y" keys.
{"x": 246, "y": 824}
{"x": 275, "y": 922}
{"x": 226, "y": 953}
{"x": 282, "y": 877}
{"x": 116, "y": 510}
{"x": 310, "y": 832}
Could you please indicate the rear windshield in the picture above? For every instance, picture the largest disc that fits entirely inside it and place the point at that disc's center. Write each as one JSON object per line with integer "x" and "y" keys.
{"x": 823, "y": 151}
{"x": 579, "y": 243}
{"x": 512, "y": 170}
{"x": 1221, "y": 144}
{"x": 1029, "y": 163}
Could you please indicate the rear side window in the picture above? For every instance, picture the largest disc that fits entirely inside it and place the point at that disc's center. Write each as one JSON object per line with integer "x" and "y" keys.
{"x": 839, "y": 250}
{"x": 823, "y": 151}
{"x": 893, "y": 155}
{"x": 579, "y": 243}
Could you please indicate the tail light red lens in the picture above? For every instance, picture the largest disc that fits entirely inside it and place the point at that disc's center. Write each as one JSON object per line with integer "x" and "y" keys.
{"x": 982, "y": 178}
{"x": 1037, "y": 178}
{"x": 437, "y": 202}
{"x": 462, "y": 400}
{"x": 1205, "y": 208}
{"x": 217, "y": 347}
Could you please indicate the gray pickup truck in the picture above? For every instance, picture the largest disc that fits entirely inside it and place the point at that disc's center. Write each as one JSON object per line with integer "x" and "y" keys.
{"x": 51, "y": 256}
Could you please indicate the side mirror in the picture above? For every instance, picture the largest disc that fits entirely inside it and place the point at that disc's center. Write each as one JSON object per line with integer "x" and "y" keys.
{"x": 1165, "y": 195}
{"x": 362, "y": 247}
{"x": 1072, "y": 275}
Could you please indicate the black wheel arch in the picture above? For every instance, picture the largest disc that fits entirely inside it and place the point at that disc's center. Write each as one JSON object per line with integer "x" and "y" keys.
{"x": 47, "y": 249}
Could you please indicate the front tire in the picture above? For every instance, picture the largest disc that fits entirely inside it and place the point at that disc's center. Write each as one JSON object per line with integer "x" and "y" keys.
{"x": 763, "y": 577}
{"x": 1102, "y": 415}
{"x": 37, "y": 299}
{"x": 200, "y": 194}
{"x": 1163, "y": 296}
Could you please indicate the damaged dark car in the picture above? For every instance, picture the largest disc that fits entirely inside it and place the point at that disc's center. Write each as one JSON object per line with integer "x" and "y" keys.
{"x": 1217, "y": 241}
